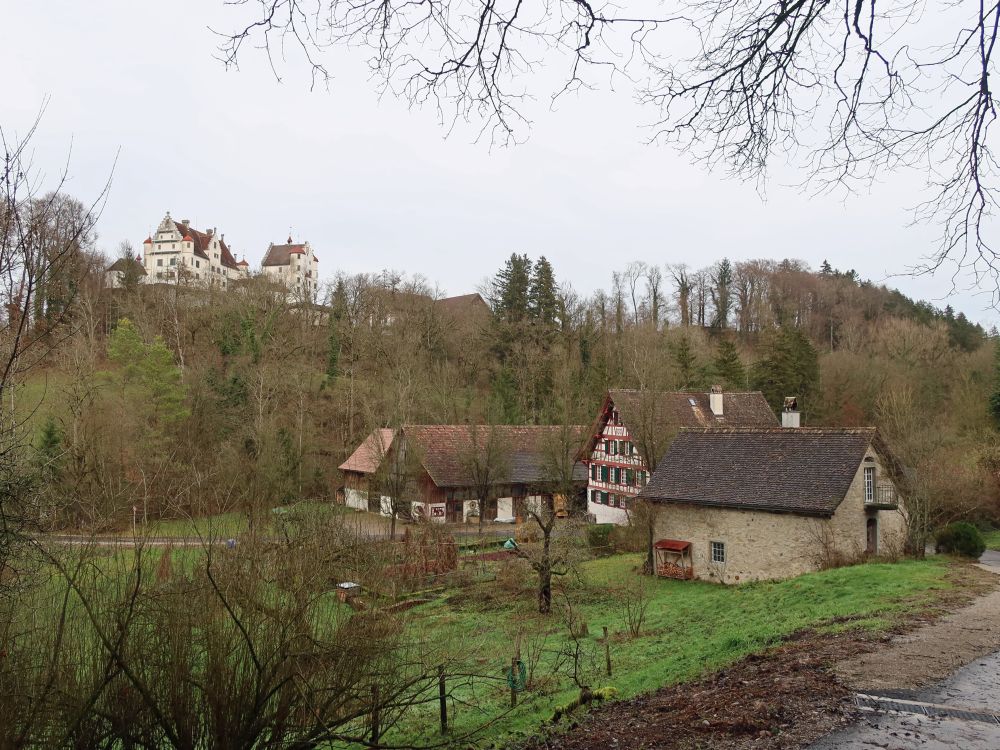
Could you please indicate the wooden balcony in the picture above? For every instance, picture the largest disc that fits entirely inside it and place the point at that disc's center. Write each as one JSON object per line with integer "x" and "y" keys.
{"x": 886, "y": 497}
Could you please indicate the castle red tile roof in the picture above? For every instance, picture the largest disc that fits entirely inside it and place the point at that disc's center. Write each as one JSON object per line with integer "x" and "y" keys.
{"x": 280, "y": 255}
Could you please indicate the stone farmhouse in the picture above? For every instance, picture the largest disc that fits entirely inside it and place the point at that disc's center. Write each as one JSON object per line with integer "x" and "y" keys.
{"x": 443, "y": 490}
{"x": 295, "y": 266}
{"x": 746, "y": 504}
{"x": 634, "y": 428}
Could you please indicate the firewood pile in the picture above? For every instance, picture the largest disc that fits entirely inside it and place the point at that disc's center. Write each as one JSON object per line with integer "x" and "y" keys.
{"x": 673, "y": 570}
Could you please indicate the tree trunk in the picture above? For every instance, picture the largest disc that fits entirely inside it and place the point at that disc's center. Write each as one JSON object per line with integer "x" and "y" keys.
{"x": 544, "y": 590}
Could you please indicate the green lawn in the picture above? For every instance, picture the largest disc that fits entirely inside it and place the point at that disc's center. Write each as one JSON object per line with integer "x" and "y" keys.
{"x": 692, "y": 628}
{"x": 227, "y": 525}
{"x": 992, "y": 539}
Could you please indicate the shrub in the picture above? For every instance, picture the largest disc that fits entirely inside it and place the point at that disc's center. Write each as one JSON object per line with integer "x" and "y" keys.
{"x": 599, "y": 538}
{"x": 961, "y": 538}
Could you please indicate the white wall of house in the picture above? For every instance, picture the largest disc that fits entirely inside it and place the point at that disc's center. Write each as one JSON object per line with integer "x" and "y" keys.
{"x": 615, "y": 474}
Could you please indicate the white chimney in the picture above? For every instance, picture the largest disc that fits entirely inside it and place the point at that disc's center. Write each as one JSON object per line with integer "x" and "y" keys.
{"x": 790, "y": 412}
{"x": 715, "y": 400}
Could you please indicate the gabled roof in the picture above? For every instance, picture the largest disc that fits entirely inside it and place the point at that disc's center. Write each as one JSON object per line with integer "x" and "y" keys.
{"x": 367, "y": 456}
{"x": 671, "y": 410}
{"x": 122, "y": 265}
{"x": 463, "y": 303}
{"x": 805, "y": 470}
{"x": 280, "y": 255}
{"x": 201, "y": 240}
{"x": 445, "y": 450}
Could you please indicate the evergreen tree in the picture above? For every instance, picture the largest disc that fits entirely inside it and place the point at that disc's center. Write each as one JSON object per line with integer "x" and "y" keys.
{"x": 995, "y": 396}
{"x": 150, "y": 367}
{"x": 825, "y": 268}
{"x": 509, "y": 297}
{"x": 49, "y": 450}
{"x": 727, "y": 365}
{"x": 722, "y": 281}
{"x": 684, "y": 358}
{"x": 543, "y": 300}
{"x": 789, "y": 367}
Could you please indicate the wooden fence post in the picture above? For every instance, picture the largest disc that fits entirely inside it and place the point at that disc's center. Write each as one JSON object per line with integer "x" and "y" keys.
{"x": 607, "y": 650}
{"x": 442, "y": 700}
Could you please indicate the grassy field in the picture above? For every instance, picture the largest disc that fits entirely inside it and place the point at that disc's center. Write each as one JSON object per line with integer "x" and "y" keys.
{"x": 691, "y": 628}
{"x": 992, "y": 539}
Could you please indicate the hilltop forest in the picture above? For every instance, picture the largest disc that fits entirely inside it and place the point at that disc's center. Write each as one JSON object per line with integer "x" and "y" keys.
{"x": 180, "y": 400}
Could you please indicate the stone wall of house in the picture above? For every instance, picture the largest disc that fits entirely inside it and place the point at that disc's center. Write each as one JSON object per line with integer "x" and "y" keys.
{"x": 764, "y": 546}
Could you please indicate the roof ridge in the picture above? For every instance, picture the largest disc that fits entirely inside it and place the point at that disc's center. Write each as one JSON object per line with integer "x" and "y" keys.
{"x": 784, "y": 430}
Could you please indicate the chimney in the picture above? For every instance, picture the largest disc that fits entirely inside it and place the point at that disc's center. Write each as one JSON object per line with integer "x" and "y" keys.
{"x": 186, "y": 223}
{"x": 715, "y": 400}
{"x": 790, "y": 412}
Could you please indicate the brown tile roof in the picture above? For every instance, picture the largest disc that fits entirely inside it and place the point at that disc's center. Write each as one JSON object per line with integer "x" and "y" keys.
{"x": 122, "y": 264}
{"x": 673, "y": 410}
{"x": 805, "y": 470}
{"x": 463, "y": 303}
{"x": 445, "y": 448}
{"x": 280, "y": 255}
{"x": 366, "y": 457}
{"x": 202, "y": 241}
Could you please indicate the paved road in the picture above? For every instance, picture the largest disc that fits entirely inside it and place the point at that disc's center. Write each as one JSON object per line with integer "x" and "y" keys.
{"x": 962, "y": 711}
{"x": 991, "y": 558}
{"x": 973, "y": 690}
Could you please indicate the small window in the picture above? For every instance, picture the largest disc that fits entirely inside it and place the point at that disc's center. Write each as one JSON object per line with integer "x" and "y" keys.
{"x": 607, "y": 447}
{"x": 159, "y": 261}
{"x": 606, "y": 497}
{"x": 595, "y": 496}
{"x": 173, "y": 261}
{"x": 718, "y": 552}
{"x": 869, "y": 484}
{"x": 197, "y": 264}
{"x": 605, "y": 472}
{"x": 618, "y": 475}
{"x": 593, "y": 472}
{"x": 629, "y": 477}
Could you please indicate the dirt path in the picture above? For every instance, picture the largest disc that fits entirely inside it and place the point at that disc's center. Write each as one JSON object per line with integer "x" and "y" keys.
{"x": 805, "y": 689}
{"x": 930, "y": 653}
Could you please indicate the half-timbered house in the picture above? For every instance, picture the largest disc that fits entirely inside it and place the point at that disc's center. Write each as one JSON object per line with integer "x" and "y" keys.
{"x": 634, "y": 429}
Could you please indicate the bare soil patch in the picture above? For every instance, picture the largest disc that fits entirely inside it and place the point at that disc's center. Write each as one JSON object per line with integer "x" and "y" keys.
{"x": 786, "y": 697}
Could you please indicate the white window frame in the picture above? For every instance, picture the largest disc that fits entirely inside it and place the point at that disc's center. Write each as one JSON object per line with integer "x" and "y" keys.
{"x": 717, "y": 552}
{"x": 869, "y": 484}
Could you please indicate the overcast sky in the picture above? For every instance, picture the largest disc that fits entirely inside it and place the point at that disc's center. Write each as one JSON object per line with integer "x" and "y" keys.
{"x": 372, "y": 184}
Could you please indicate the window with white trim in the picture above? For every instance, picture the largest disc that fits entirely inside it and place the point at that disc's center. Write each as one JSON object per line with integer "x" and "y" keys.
{"x": 869, "y": 484}
{"x": 718, "y": 552}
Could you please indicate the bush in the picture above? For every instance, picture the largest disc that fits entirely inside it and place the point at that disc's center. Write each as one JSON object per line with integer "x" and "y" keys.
{"x": 961, "y": 538}
{"x": 599, "y": 538}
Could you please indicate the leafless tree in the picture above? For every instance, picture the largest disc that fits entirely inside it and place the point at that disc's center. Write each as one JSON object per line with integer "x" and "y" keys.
{"x": 44, "y": 244}
{"x": 854, "y": 91}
